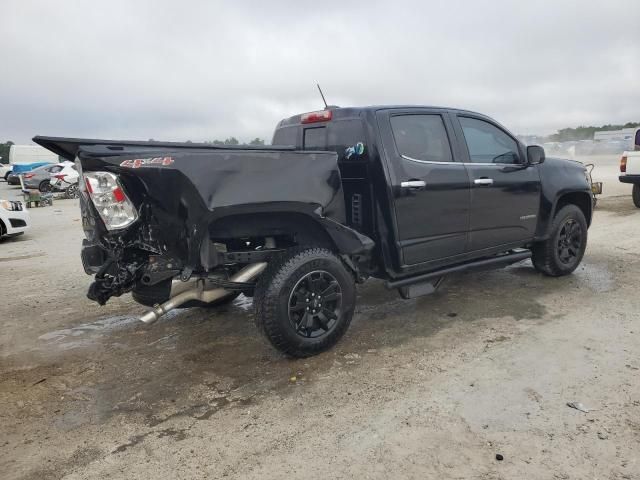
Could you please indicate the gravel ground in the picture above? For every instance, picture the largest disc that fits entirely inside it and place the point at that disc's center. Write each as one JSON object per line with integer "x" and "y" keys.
{"x": 434, "y": 387}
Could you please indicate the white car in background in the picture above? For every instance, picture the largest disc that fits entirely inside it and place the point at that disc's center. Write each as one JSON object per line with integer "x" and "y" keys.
{"x": 66, "y": 180}
{"x": 5, "y": 170}
{"x": 14, "y": 218}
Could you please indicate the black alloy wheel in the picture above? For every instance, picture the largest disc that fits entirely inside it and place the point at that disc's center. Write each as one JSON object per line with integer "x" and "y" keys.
{"x": 569, "y": 241}
{"x": 315, "y": 304}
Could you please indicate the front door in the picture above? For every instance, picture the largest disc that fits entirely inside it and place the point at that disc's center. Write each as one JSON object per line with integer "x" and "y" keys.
{"x": 430, "y": 189}
{"x": 505, "y": 191}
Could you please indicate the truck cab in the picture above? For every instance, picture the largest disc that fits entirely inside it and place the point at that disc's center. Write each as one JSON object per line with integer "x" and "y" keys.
{"x": 437, "y": 186}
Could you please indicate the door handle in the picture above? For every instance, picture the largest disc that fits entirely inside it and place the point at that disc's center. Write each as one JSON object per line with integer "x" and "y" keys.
{"x": 483, "y": 181}
{"x": 413, "y": 184}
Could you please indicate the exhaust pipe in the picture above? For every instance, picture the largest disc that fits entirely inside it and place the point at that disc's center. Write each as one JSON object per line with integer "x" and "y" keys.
{"x": 198, "y": 292}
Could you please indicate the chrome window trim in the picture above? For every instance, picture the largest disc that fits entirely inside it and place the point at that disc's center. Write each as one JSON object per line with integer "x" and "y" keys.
{"x": 453, "y": 162}
{"x": 407, "y": 157}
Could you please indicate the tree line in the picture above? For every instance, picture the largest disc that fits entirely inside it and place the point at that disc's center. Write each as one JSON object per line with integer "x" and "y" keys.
{"x": 234, "y": 141}
{"x": 4, "y": 151}
{"x": 586, "y": 133}
{"x": 227, "y": 141}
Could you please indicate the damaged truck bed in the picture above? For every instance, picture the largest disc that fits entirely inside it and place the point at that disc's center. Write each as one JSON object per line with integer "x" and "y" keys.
{"x": 184, "y": 196}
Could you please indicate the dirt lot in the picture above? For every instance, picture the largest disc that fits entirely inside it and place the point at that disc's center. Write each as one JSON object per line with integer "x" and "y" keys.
{"x": 427, "y": 388}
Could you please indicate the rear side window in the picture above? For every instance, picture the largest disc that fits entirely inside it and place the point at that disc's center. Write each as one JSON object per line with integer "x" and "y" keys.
{"x": 315, "y": 138}
{"x": 286, "y": 136}
{"x": 487, "y": 143}
{"x": 421, "y": 137}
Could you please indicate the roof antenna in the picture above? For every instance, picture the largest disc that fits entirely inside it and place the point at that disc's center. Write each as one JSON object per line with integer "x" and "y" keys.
{"x": 326, "y": 107}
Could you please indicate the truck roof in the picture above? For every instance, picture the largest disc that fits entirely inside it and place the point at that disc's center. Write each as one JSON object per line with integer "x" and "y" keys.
{"x": 350, "y": 112}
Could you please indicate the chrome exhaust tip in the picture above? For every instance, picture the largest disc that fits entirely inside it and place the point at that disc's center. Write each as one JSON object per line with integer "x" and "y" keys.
{"x": 200, "y": 293}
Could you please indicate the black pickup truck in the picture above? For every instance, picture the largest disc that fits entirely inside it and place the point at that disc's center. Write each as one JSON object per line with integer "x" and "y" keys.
{"x": 406, "y": 194}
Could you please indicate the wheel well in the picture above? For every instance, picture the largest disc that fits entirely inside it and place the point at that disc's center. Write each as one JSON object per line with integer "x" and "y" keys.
{"x": 288, "y": 228}
{"x": 580, "y": 199}
{"x": 3, "y": 228}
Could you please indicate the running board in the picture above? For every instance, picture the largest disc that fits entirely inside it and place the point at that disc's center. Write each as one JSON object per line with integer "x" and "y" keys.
{"x": 501, "y": 260}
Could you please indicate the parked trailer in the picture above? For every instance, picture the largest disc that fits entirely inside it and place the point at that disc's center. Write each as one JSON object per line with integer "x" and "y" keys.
{"x": 26, "y": 154}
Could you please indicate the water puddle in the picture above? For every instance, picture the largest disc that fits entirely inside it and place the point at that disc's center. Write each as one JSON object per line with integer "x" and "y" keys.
{"x": 86, "y": 334}
{"x": 243, "y": 303}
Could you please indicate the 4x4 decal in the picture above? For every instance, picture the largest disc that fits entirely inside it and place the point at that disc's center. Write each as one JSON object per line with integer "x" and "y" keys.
{"x": 145, "y": 162}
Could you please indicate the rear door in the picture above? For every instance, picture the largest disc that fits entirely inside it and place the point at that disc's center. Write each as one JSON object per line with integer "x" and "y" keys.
{"x": 430, "y": 189}
{"x": 505, "y": 192}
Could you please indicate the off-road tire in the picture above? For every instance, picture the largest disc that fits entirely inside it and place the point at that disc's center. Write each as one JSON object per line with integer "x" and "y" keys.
{"x": 635, "y": 194}
{"x": 273, "y": 292}
{"x": 546, "y": 257}
{"x": 151, "y": 295}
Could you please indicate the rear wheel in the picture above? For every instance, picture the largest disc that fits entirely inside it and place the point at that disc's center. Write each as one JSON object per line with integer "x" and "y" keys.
{"x": 45, "y": 186}
{"x": 6, "y": 177}
{"x": 304, "y": 301}
{"x": 562, "y": 252}
{"x": 636, "y": 195}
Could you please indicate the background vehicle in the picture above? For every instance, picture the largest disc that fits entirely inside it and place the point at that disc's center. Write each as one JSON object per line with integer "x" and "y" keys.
{"x": 630, "y": 168}
{"x": 13, "y": 178}
{"x": 20, "y": 169}
{"x": 14, "y": 219}
{"x": 5, "y": 170}
{"x": 25, "y": 154}
{"x": 66, "y": 180}
{"x": 40, "y": 178}
{"x": 405, "y": 194}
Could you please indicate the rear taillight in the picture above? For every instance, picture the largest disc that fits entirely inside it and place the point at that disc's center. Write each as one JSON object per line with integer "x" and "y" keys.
{"x": 319, "y": 116}
{"x": 110, "y": 200}
{"x": 60, "y": 176}
{"x": 623, "y": 164}
{"x": 27, "y": 176}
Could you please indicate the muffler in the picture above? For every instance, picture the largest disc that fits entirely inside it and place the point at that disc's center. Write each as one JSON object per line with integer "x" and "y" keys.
{"x": 200, "y": 293}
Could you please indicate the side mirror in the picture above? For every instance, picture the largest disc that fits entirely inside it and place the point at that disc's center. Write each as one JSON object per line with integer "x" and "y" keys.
{"x": 535, "y": 155}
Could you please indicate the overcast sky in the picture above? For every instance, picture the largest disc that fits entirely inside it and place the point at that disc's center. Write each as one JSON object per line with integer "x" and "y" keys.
{"x": 178, "y": 70}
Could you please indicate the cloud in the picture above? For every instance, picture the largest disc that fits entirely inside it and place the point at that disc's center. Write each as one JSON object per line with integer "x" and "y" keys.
{"x": 201, "y": 70}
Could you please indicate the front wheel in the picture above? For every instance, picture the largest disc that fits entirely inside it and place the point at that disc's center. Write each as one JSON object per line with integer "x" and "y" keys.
{"x": 562, "y": 252}
{"x": 73, "y": 191}
{"x": 636, "y": 195}
{"x": 304, "y": 301}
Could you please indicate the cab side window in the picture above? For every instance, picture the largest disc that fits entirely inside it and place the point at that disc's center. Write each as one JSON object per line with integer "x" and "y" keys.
{"x": 487, "y": 143}
{"x": 421, "y": 137}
